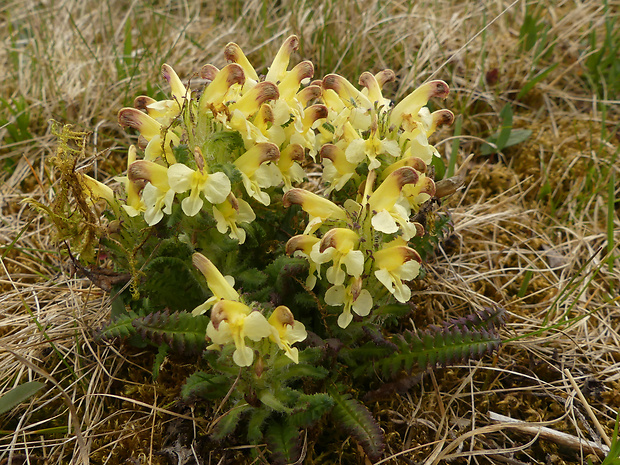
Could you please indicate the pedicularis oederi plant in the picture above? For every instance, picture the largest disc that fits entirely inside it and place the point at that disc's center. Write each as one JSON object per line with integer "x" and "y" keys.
{"x": 271, "y": 225}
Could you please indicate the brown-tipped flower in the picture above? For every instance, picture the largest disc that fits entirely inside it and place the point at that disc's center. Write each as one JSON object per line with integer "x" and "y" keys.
{"x": 234, "y": 54}
{"x": 145, "y": 170}
{"x": 385, "y": 76}
{"x": 290, "y": 83}
{"x": 338, "y": 158}
{"x": 440, "y": 118}
{"x": 142, "y": 102}
{"x": 264, "y": 118}
{"x": 209, "y": 72}
{"x": 414, "y": 102}
{"x": 301, "y": 242}
{"x": 277, "y": 70}
{"x": 313, "y": 113}
{"x": 308, "y": 93}
{"x": 251, "y": 101}
{"x": 390, "y": 189}
{"x": 350, "y": 96}
{"x": 415, "y": 162}
{"x": 251, "y": 160}
{"x": 216, "y": 90}
{"x": 315, "y": 205}
{"x": 391, "y": 258}
{"x": 342, "y": 239}
{"x": 176, "y": 86}
{"x": 134, "y": 118}
{"x": 292, "y": 153}
{"x": 369, "y": 81}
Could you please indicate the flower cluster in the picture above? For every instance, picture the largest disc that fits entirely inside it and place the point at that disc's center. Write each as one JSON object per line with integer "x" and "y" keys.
{"x": 385, "y": 151}
{"x": 240, "y": 143}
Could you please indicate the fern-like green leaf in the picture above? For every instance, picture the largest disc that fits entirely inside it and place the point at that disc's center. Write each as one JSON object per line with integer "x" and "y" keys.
{"x": 229, "y": 421}
{"x": 310, "y": 409}
{"x": 182, "y": 331}
{"x": 298, "y": 371}
{"x": 256, "y": 424}
{"x": 283, "y": 441}
{"x": 358, "y": 421}
{"x": 121, "y": 327}
{"x": 171, "y": 283}
{"x": 438, "y": 346}
{"x": 205, "y": 385}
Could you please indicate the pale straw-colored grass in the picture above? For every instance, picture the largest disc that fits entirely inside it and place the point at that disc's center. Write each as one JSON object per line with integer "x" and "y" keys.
{"x": 65, "y": 59}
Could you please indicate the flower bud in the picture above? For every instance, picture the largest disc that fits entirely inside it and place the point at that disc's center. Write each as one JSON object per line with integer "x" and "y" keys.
{"x": 251, "y": 160}
{"x": 315, "y": 205}
{"x": 176, "y": 86}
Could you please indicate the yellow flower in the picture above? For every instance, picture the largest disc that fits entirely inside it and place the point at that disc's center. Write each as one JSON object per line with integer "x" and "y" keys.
{"x": 278, "y": 67}
{"x": 256, "y": 171}
{"x": 358, "y": 149}
{"x": 214, "y": 187}
{"x": 152, "y": 131}
{"x": 396, "y": 263}
{"x": 215, "y": 93}
{"x": 405, "y": 114}
{"x": 374, "y": 84}
{"x": 286, "y": 331}
{"x": 289, "y": 166}
{"x": 303, "y": 245}
{"x": 232, "y": 322}
{"x": 389, "y": 206}
{"x": 156, "y": 195}
{"x": 220, "y": 286}
{"x": 337, "y": 170}
{"x": 319, "y": 208}
{"x": 164, "y": 111}
{"x": 133, "y": 204}
{"x": 230, "y": 213}
{"x": 338, "y": 245}
{"x": 353, "y": 297}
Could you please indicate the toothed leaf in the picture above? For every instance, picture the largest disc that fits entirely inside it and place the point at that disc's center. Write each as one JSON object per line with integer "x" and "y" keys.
{"x": 205, "y": 385}
{"x": 358, "y": 421}
{"x": 283, "y": 441}
{"x": 182, "y": 331}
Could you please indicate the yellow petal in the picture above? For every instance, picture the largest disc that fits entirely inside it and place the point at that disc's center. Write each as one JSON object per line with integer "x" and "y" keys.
{"x": 216, "y": 90}
{"x": 390, "y": 258}
{"x": 350, "y": 96}
{"x": 277, "y": 70}
{"x": 315, "y": 205}
{"x": 250, "y": 102}
{"x": 234, "y": 54}
{"x": 261, "y": 153}
{"x": 176, "y": 86}
{"x": 390, "y": 189}
{"x": 134, "y": 118}
{"x": 412, "y": 104}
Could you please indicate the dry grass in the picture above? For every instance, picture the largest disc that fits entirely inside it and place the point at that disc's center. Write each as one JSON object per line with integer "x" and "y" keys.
{"x": 531, "y": 228}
